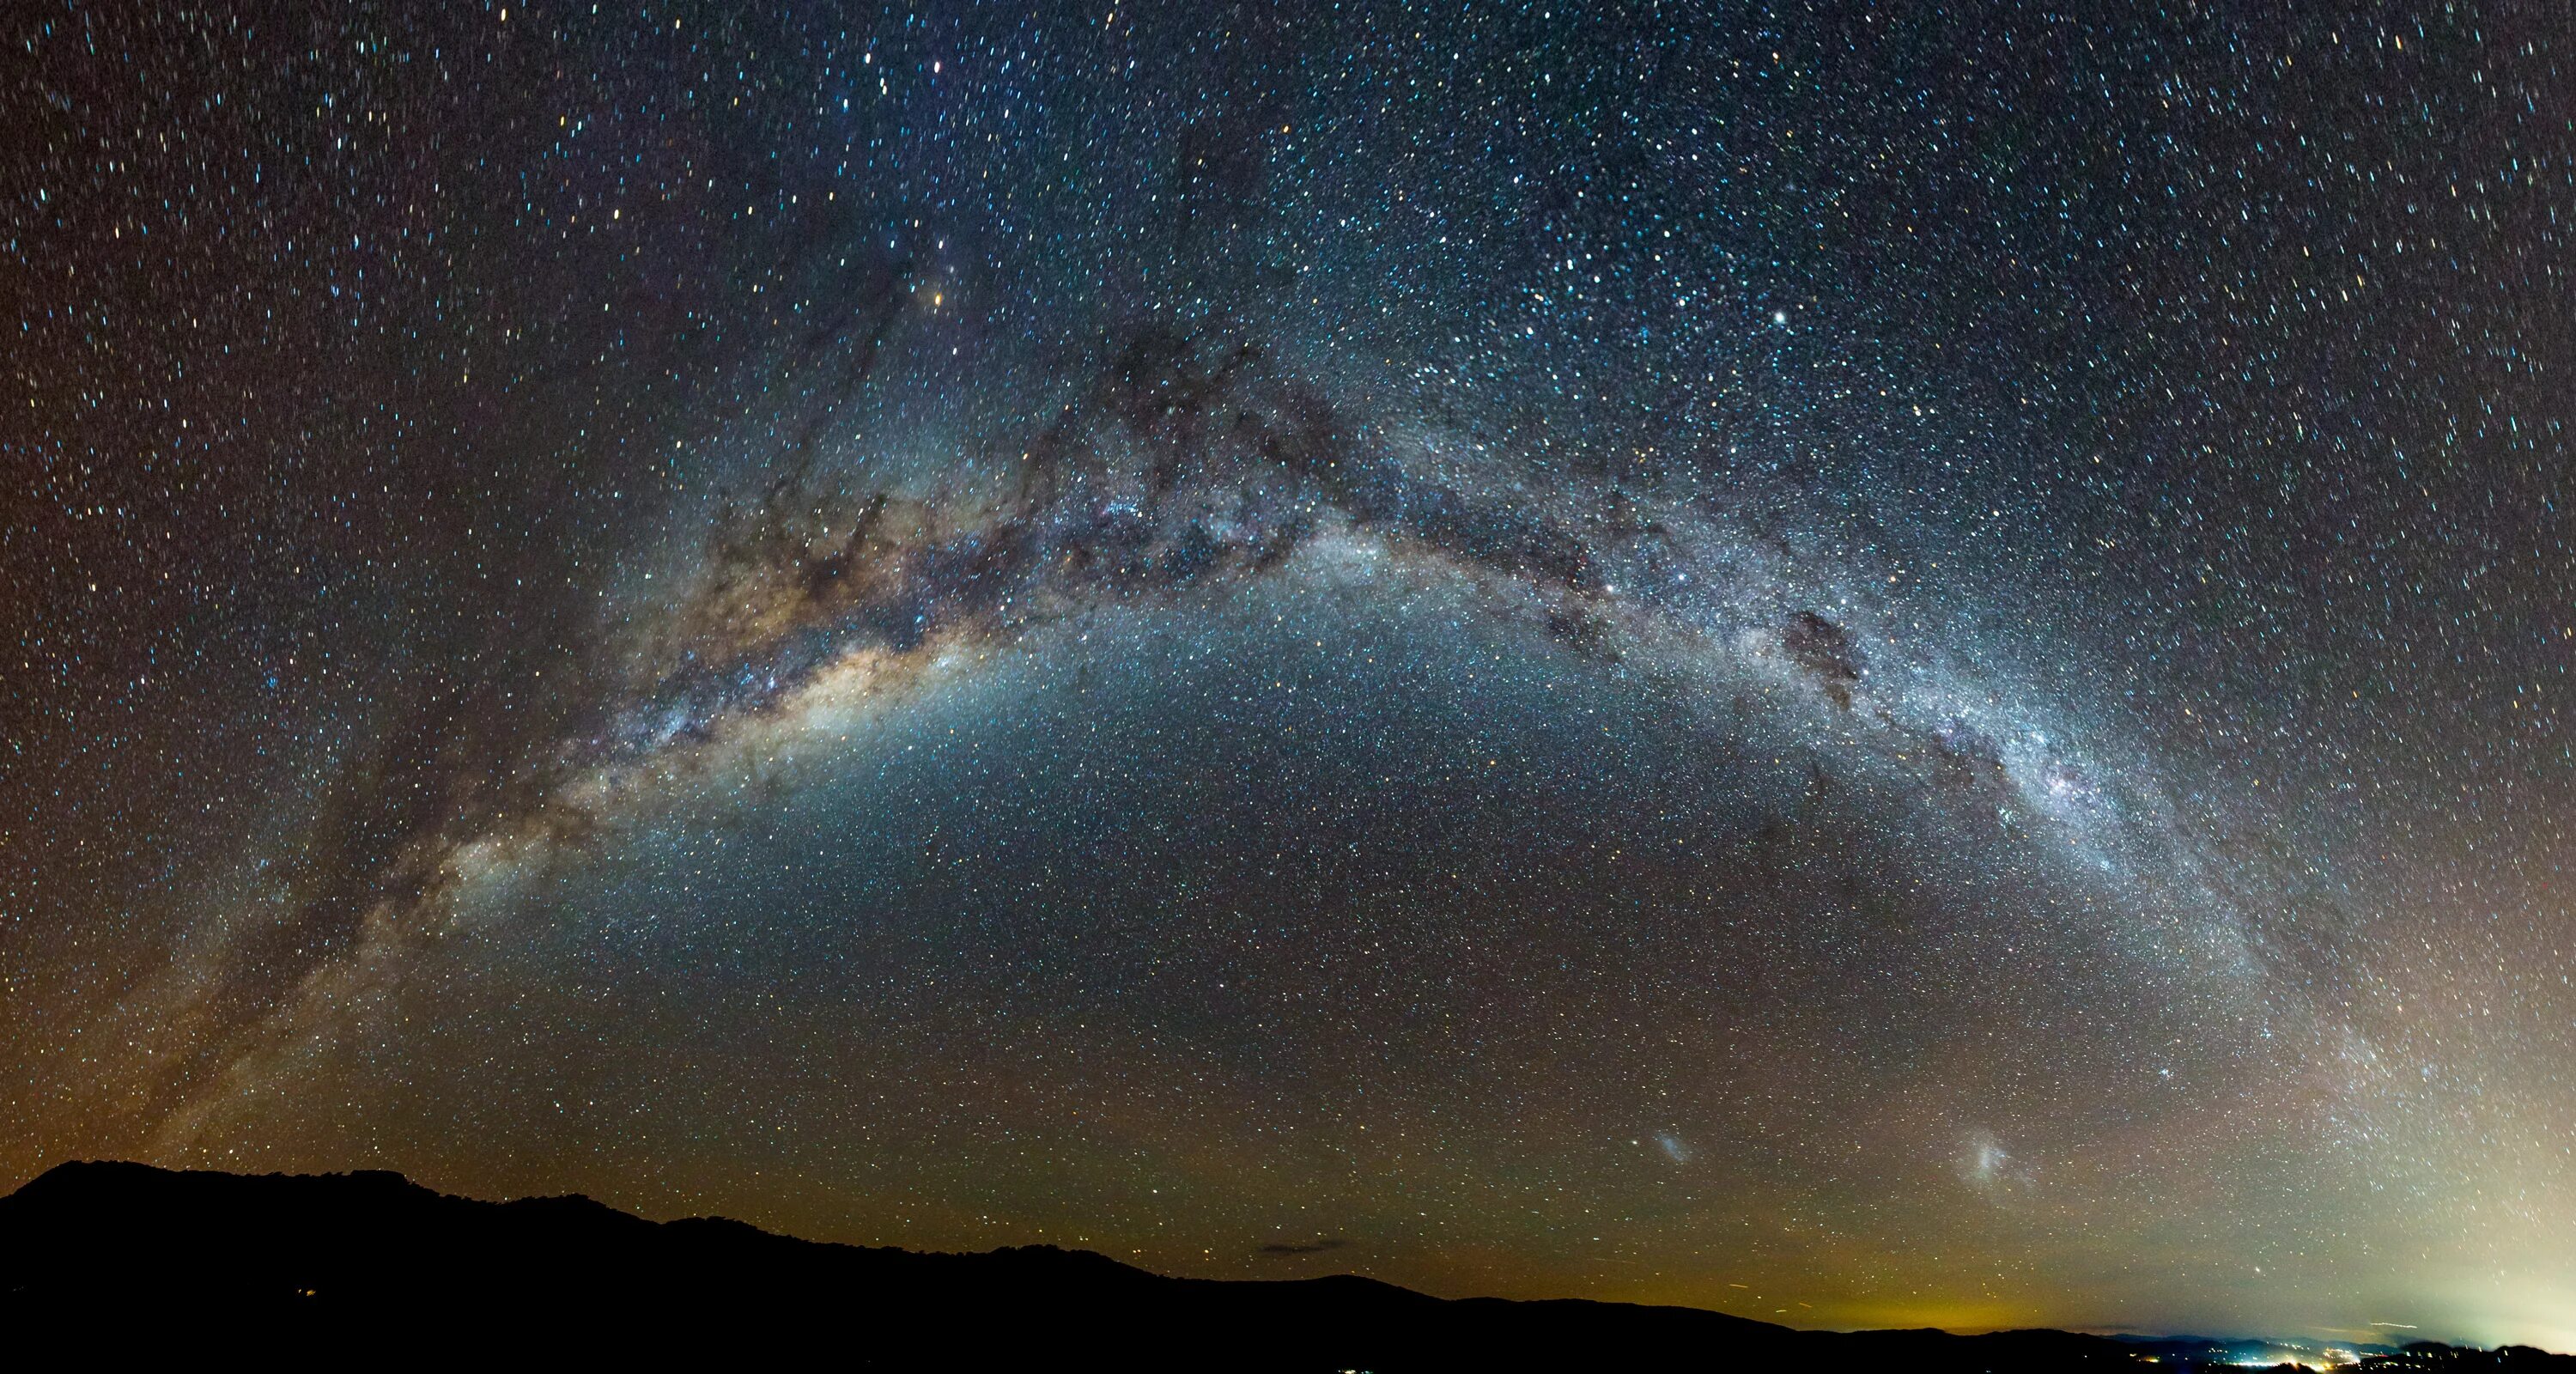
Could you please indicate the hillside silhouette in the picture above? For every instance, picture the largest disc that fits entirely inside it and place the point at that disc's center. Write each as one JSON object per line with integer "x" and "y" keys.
{"x": 126, "y": 1255}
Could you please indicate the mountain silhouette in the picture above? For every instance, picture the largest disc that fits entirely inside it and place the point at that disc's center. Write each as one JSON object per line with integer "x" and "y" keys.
{"x": 126, "y": 1256}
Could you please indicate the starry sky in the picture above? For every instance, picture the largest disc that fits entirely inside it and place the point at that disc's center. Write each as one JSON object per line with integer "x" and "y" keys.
{"x": 1869, "y": 665}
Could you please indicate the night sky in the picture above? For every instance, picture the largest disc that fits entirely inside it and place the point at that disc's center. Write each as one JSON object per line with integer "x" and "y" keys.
{"x": 1871, "y": 665}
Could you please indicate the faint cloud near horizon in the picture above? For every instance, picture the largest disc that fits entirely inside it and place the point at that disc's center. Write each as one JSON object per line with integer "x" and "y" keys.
{"x": 1284, "y": 1249}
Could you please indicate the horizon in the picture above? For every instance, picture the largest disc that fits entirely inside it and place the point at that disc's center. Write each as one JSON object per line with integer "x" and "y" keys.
{"x": 1869, "y": 665}
{"x": 2289, "y": 1343}
{"x": 2286, "y": 1339}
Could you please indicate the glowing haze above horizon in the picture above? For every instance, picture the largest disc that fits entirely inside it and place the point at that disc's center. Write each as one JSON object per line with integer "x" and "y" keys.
{"x": 1864, "y": 665}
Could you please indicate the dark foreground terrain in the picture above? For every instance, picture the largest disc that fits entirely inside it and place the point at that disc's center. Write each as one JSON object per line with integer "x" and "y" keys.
{"x": 128, "y": 1258}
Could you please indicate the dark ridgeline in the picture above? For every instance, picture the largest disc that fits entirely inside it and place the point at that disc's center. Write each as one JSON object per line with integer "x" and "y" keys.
{"x": 125, "y": 1256}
